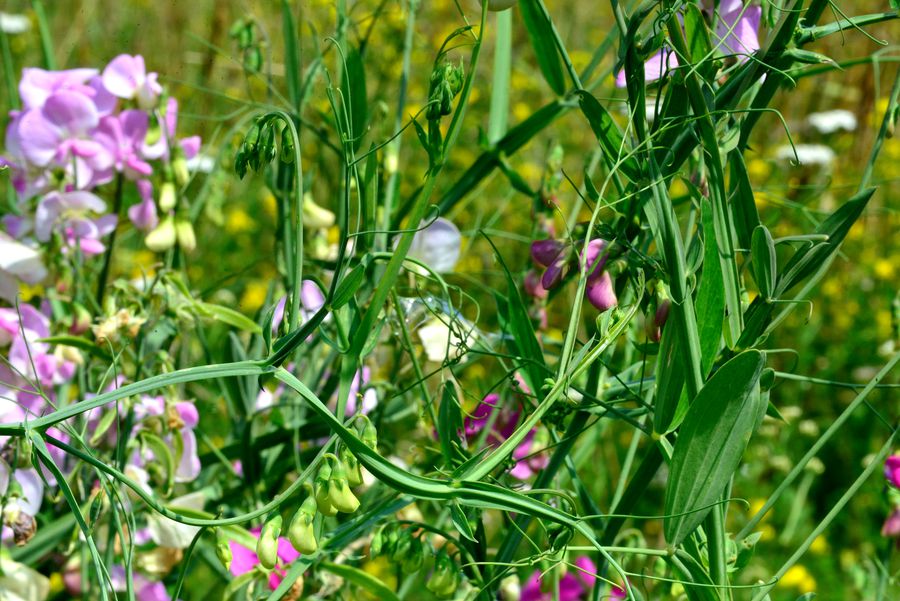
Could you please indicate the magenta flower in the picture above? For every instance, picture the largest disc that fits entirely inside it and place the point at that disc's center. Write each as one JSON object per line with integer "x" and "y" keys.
{"x": 600, "y": 290}
{"x": 574, "y": 586}
{"x": 528, "y": 460}
{"x": 553, "y": 256}
{"x": 126, "y": 77}
{"x": 892, "y": 470}
{"x": 245, "y": 560}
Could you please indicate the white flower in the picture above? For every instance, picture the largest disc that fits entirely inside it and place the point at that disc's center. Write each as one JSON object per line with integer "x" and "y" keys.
{"x": 169, "y": 533}
{"x": 201, "y": 163}
{"x": 18, "y": 262}
{"x": 18, "y": 582}
{"x": 437, "y": 245}
{"x": 828, "y": 122}
{"x": 13, "y": 24}
{"x": 440, "y": 342}
{"x": 806, "y": 154}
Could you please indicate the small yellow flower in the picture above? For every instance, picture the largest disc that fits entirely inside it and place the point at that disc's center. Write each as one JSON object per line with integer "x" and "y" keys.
{"x": 798, "y": 577}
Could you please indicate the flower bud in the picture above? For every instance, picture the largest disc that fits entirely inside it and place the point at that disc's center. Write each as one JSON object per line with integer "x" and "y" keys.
{"x": 301, "y": 532}
{"x": 602, "y": 293}
{"x": 168, "y": 196}
{"x": 370, "y": 435}
{"x": 180, "y": 169}
{"x": 891, "y": 527}
{"x": 80, "y": 320}
{"x": 23, "y": 454}
{"x": 184, "y": 232}
{"x": 377, "y": 543}
{"x": 339, "y": 493}
{"x": 267, "y": 545}
{"x": 352, "y": 467}
{"x": 162, "y": 237}
{"x": 314, "y": 216}
{"x": 223, "y": 548}
{"x": 323, "y": 500}
{"x": 415, "y": 556}
{"x": 595, "y": 258}
{"x": 445, "y": 578}
{"x": 544, "y": 252}
{"x": 532, "y": 285}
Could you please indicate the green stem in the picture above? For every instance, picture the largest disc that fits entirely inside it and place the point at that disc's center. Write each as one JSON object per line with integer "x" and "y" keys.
{"x": 44, "y": 29}
{"x": 107, "y": 257}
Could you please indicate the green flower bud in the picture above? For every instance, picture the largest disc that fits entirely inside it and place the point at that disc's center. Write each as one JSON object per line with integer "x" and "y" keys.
{"x": 223, "y": 548}
{"x": 287, "y": 146}
{"x": 339, "y": 493}
{"x": 168, "y": 196}
{"x": 321, "y": 483}
{"x": 351, "y": 465}
{"x": 403, "y": 546}
{"x": 445, "y": 578}
{"x": 369, "y": 435}
{"x": 180, "y": 169}
{"x": 267, "y": 545}
{"x": 415, "y": 556}
{"x": 377, "y": 543}
{"x": 162, "y": 237}
{"x": 23, "y": 456}
{"x": 184, "y": 232}
{"x": 301, "y": 532}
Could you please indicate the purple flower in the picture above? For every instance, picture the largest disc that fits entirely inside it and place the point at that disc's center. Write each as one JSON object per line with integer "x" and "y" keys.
{"x": 37, "y": 85}
{"x": 245, "y": 560}
{"x": 62, "y": 131}
{"x": 143, "y": 214}
{"x": 122, "y": 135}
{"x": 736, "y": 34}
{"x": 126, "y": 77}
{"x": 181, "y": 417}
{"x": 892, "y": 470}
{"x": 31, "y": 360}
{"x": 574, "y": 586}
{"x": 553, "y": 256}
{"x": 600, "y": 290}
{"x": 69, "y": 213}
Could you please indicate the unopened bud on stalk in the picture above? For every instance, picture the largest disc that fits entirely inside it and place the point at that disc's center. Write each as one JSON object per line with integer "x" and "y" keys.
{"x": 223, "y": 548}
{"x": 168, "y": 196}
{"x": 301, "y": 532}
{"x": 369, "y": 434}
{"x": 415, "y": 556}
{"x": 352, "y": 467}
{"x": 267, "y": 545}
{"x": 323, "y": 501}
{"x": 162, "y": 237}
{"x": 184, "y": 232}
{"x": 23, "y": 456}
{"x": 179, "y": 168}
{"x": 445, "y": 578}
{"x": 287, "y": 146}
{"x": 339, "y": 493}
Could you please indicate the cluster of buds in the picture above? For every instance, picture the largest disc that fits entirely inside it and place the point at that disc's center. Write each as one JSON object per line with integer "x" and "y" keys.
{"x": 891, "y": 527}
{"x": 558, "y": 259}
{"x": 406, "y": 547}
{"x": 332, "y": 488}
{"x": 261, "y": 146}
{"x": 446, "y": 83}
{"x": 243, "y": 32}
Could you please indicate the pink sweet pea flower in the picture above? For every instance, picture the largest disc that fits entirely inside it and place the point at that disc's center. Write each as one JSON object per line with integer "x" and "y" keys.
{"x": 69, "y": 213}
{"x": 528, "y": 461}
{"x": 892, "y": 470}
{"x": 553, "y": 256}
{"x": 37, "y": 85}
{"x": 736, "y": 28}
{"x": 143, "y": 214}
{"x": 656, "y": 67}
{"x": 126, "y": 77}
{"x": 245, "y": 560}
{"x": 600, "y": 290}
{"x": 184, "y": 417}
{"x": 122, "y": 135}
{"x": 574, "y": 586}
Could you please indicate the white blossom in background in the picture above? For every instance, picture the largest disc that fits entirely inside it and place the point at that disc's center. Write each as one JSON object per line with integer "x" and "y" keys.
{"x": 14, "y": 24}
{"x": 201, "y": 163}
{"x": 169, "y": 533}
{"x": 437, "y": 245}
{"x": 440, "y": 342}
{"x": 806, "y": 154}
{"x": 18, "y": 582}
{"x": 18, "y": 262}
{"x": 829, "y": 122}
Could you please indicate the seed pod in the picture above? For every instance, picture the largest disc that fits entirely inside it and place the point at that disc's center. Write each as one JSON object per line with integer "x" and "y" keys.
{"x": 267, "y": 545}
{"x": 223, "y": 548}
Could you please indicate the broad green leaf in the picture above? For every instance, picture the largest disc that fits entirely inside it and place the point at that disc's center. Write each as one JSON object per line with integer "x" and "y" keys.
{"x": 357, "y": 104}
{"x": 608, "y": 134}
{"x": 763, "y": 261}
{"x": 711, "y": 441}
{"x": 697, "y": 35}
{"x": 710, "y": 296}
{"x": 808, "y": 260}
{"x": 540, "y": 32}
{"x": 229, "y": 316}
{"x": 669, "y": 380}
{"x": 364, "y": 580}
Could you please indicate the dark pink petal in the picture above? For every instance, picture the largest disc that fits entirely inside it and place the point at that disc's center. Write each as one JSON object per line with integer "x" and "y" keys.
{"x": 602, "y": 293}
{"x": 544, "y": 252}
{"x": 595, "y": 258}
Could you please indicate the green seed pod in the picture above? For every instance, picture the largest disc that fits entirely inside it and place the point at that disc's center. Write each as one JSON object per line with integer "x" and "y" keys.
{"x": 267, "y": 545}
{"x": 23, "y": 456}
{"x": 253, "y": 59}
{"x": 223, "y": 548}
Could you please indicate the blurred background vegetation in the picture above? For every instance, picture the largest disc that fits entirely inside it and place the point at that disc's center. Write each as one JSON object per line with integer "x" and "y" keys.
{"x": 843, "y": 337}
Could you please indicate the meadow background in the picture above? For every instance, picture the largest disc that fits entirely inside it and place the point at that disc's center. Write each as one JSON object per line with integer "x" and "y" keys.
{"x": 845, "y": 338}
